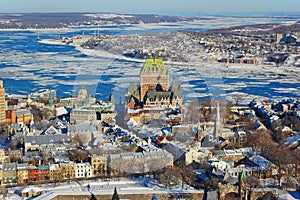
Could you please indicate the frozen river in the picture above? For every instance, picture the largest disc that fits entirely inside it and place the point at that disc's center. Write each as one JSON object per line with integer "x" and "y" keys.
{"x": 27, "y": 65}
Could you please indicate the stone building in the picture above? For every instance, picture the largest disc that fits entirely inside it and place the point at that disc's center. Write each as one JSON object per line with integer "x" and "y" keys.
{"x": 154, "y": 76}
{"x": 82, "y": 99}
{"x": 54, "y": 172}
{"x": 83, "y": 114}
{"x": 154, "y": 94}
{"x": 141, "y": 162}
{"x": 99, "y": 165}
{"x": 67, "y": 170}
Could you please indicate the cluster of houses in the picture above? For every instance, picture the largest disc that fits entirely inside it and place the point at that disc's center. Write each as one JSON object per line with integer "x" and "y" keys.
{"x": 80, "y": 141}
{"x": 272, "y": 115}
{"x": 45, "y": 158}
{"x": 252, "y": 45}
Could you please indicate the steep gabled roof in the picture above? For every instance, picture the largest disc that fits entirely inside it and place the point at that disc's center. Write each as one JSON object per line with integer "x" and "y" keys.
{"x": 131, "y": 90}
{"x": 50, "y": 131}
{"x": 262, "y": 162}
{"x": 154, "y": 95}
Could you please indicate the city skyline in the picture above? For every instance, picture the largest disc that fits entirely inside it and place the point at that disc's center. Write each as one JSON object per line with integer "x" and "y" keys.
{"x": 191, "y": 7}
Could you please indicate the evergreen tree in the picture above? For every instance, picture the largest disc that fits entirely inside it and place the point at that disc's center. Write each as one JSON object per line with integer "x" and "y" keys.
{"x": 115, "y": 195}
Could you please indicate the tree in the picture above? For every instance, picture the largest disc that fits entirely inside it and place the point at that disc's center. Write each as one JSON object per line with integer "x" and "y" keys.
{"x": 184, "y": 173}
{"x": 168, "y": 176}
{"x": 3, "y": 191}
{"x": 115, "y": 195}
{"x": 250, "y": 183}
{"x": 237, "y": 98}
{"x": 78, "y": 155}
{"x": 259, "y": 141}
{"x": 279, "y": 156}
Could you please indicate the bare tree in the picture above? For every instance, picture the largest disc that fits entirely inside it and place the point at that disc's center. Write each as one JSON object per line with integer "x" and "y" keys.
{"x": 237, "y": 98}
{"x": 259, "y": 141}
{"x": 3, "y": 191}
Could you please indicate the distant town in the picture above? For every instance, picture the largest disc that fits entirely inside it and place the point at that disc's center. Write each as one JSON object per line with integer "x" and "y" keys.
{"x": 65, "y": 20}
{"x": 257, "y": 44}
{"x": 154, "y": 144}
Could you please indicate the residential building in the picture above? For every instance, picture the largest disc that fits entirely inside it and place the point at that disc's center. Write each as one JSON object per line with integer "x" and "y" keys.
{"x": 83, "y": 170}
{"x": 16, "y": 116}
{"x": 233, "y": 154}
{"x": 83, "y": 114}
{"x": 15, "y": 154}
{"x": 4, "y": 158}
{"x": 2, "y": 104}
{"x": 240, "y": 138}
{"x": 2, "y": 152}
{"x": 68, "y": 170}
{"x": 39, "y": 173}
{"x": 99, "y": 165}
{"x": 50, "y": 138}
{"x": 9, "y": 173}
{"x": 55, "y": 172}
{"x": 22, "y": 173}
{"x": 232, "y": 174}
{"x": 263, "y": 168}
{"x": 197, "y": 155}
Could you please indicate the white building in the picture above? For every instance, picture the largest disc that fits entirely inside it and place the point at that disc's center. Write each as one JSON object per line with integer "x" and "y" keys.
{"x": 83, "y": 170}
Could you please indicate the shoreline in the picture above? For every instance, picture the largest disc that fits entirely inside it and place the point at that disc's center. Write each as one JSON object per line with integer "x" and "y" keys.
{"x": 195, "y": 62}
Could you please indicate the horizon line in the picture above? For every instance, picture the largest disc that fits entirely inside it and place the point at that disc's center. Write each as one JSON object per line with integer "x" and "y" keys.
{"x": 172, "y": 13}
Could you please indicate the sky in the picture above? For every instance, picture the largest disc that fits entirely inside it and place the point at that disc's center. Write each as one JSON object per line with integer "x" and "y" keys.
{"x": 153, "y": 6}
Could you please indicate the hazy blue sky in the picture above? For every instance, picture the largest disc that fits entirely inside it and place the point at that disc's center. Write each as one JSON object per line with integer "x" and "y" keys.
{"x": 153, "y": 6}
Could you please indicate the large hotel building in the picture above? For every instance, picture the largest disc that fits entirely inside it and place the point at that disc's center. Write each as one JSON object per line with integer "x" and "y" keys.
{"x": 154, "y": 94}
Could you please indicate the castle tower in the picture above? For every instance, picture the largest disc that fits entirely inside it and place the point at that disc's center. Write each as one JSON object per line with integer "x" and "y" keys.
{"x": 2, "y": 103}
{"x": 153, "y": 75}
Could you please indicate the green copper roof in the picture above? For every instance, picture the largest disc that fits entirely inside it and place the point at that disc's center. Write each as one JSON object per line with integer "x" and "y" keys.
{"x": 154, "y": 66}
